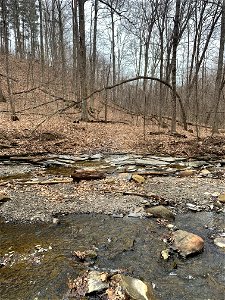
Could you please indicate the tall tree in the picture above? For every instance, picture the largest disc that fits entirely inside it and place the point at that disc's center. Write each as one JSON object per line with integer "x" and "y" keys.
{"x": 82, "y": 60}
{"x": 175, "y": 42}
{"x": 219, "y": 83}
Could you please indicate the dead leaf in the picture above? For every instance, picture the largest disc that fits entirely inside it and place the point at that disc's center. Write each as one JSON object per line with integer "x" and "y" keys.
{"x": 165, "y": 254}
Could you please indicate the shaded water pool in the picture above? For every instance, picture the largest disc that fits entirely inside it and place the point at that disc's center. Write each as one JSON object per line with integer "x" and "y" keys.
{"x": 37, "y": 260}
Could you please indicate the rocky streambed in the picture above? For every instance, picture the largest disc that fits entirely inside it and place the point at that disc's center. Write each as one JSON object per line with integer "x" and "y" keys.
{"x": 113, "y": 217}
{"x": 38, "y": 261}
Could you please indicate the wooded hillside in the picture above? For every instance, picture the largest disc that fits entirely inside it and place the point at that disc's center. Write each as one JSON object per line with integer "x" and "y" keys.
{"x": 94, "y": 59}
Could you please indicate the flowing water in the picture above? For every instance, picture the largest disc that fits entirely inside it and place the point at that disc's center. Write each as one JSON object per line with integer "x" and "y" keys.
{"x": 42, "y": 256}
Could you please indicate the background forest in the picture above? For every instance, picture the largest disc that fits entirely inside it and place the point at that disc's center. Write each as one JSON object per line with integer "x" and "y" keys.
{"x": 64, "y": 57}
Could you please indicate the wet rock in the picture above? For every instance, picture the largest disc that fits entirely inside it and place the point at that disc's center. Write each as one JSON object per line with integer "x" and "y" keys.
{"x": 220, "y": 242}
{"x": 96, "y": 282}
{"x": 187, "y": 243}
{"x": 160, "y": 212}
{"x": 138, "y": 178}
{"x": 133, "y": 288}
{"x": 4, "y": 197}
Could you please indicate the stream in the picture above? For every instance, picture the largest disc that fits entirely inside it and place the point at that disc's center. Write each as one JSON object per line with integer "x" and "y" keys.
{"x": 41, "y": 256}
{"x": 37, "y": 259}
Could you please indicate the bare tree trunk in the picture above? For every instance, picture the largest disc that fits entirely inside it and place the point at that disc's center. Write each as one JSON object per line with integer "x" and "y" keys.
{"x": 62, "y": 46}
{"x": 106, "y": 95}
{"x": 2, "y": 98}
{"x": 198, "y": 43}
{"x": 219, "y": 82}
{"x": 54, "y": 47}
{"x": 6, "y": 44}
{"x": 41, "y": 37}
{"x": 113, "y": 52}
{"x": 76, "y": 84}
{"x": 174, "y": 66}
{"x": 94, "y": 51}
{"x": 82, "y": 60}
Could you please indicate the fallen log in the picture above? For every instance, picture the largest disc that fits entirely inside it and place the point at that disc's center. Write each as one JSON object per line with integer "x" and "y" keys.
{"x": 156, "y": 173}
{"x": 48, "y": 181}
{"x": 148, "y": 196}
{"x": 79, "y": 175}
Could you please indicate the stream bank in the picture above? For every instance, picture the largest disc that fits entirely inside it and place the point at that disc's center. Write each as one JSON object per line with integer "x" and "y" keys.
{"x": 41, "y": 187}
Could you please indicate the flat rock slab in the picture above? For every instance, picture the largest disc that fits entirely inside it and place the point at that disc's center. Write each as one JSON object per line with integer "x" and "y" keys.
{"x": 151, "y": 162}
{"x": 197, "y": 164}
{"x": 169, "y": 159}
{"x": 187, "y": 243}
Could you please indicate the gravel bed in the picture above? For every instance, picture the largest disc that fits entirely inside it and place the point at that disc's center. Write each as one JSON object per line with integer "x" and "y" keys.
{"x": 42, "y": 203}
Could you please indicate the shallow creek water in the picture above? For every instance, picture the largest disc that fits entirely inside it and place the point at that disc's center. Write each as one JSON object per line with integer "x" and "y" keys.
{"x": 41, "y": 256}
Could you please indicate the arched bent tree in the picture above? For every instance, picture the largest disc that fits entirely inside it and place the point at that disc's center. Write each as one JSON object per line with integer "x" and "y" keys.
{"x": 184, "y": 119}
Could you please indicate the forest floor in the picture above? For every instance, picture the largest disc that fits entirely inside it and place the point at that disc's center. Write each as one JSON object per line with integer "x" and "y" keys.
{"x": 60, "y": 136}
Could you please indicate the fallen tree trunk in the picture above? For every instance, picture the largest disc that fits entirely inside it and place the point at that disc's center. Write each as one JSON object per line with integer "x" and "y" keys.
{"x": 79, "y": 175}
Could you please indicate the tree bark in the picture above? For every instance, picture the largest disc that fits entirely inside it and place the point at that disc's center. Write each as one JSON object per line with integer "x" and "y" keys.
{"x": 82, "y": 60}
{"x": 219, "y": 76}
{"x": 174, "y": 65}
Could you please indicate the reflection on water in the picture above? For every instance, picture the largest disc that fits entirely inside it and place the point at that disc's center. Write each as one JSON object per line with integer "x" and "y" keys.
{"x": 40, "y": 260}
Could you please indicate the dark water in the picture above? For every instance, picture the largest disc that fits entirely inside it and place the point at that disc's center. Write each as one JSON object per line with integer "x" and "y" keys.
{"x": 133, "y": 245}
